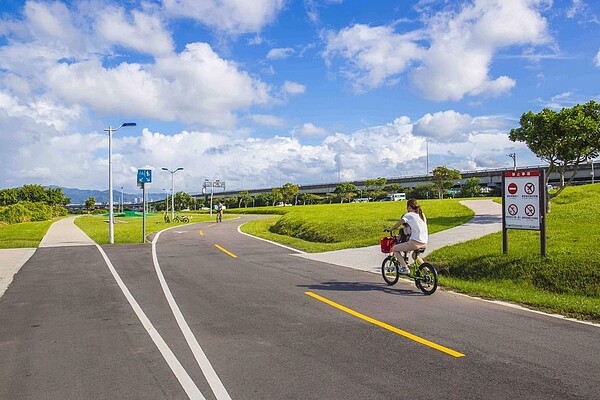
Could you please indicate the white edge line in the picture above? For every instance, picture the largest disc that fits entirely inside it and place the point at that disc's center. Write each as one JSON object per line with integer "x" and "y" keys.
{"x": 203, "y": 362}
{"x": 180, "y": 373}
{"x": 269, "y": 241}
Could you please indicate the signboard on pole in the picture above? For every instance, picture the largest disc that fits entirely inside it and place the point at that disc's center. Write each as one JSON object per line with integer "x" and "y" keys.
{"x": 524, "y": 203}
{"x": 144, "y": 178}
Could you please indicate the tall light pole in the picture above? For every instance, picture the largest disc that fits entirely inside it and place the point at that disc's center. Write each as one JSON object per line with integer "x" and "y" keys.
{"x": 514, "y": 157}
{"x": 111, "y": 214}
{"x": 121, "y": 204}
{"x": 427, "y": 157}
{"x": 172, "y": 189}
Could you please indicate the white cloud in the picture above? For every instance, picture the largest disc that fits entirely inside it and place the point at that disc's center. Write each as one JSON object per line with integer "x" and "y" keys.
{"x": 293, "y": 88}
{"x": 375, "y": 55}
{"x": 597, "y": 59}
{"x": 310, "y": 130}
{"x": 228, "y": 16}
{"x": 145, "y": 33}
{"x": 459, "y": 55}
{"x": 280, "y": 53}
{"x": 268, "y": 120}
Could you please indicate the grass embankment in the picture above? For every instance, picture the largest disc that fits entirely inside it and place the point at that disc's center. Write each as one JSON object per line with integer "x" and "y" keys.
{"x": 567, "y": 281}
{"x": 327, "y": 227}
{"x": 128, "y": 229}
{"x": 22, "y": 235}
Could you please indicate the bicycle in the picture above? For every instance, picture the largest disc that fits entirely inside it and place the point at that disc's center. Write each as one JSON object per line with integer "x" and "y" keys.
{"x": 182, "y": 218}
{"x": 219, "y": 216}
{"x": 423, "y": 273}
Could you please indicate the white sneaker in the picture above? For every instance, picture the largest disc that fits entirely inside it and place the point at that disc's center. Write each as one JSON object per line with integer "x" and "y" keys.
{"x": 403, "y": 270}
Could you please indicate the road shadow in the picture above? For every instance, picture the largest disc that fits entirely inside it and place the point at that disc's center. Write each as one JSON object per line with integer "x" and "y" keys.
{"x": 338, "y": 286}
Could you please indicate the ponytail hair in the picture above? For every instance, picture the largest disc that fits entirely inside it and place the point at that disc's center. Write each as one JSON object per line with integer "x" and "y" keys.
{"x": 412, "y": 203}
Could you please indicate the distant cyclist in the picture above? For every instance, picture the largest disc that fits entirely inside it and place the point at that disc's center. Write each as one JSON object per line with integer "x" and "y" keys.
{"x": 219, "y": 212}
{"x": 417, "y": 222}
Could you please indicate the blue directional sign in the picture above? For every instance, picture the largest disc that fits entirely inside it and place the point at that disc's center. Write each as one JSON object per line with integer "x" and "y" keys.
{"x": 144, "y": 176}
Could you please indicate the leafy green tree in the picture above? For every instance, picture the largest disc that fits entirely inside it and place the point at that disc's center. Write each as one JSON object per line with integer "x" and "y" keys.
{"x": 182, "y": 200}
{"x": 90, "y": 203}
{"x": 55, "y": 197}
{"x": 263, "y": 199}
{"x": 421, "y": 191}
{"x": 345, "y": 191}
{"x": 471, "y": 188}
{"x": 394, "y": 188}
{"x": 443, "y": 179}
{"x": 9, "y": 197}
{"x": 372, "y": 185}
{"x": 244, "y": 198}
{"x": 276, "y": 195}
{"x": 570, "y": 136}
{"x": 290, "y": 193}
{"x": 33, "y": 193}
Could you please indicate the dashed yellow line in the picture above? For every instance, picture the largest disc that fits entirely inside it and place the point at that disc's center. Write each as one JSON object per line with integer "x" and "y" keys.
{"x": 386, "y": 326}
{"x": 225, "y": 251}
{"x": 201, "y": 233}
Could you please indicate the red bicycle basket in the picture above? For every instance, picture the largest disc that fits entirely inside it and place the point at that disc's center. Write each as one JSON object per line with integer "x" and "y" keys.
{"x": 387, "y": 244}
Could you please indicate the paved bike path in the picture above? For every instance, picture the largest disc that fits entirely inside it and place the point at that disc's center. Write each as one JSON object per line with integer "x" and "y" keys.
{"x": 487, "y": 219}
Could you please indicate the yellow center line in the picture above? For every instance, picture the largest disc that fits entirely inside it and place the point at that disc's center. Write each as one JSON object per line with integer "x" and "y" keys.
{"x": 387, "y": 326}
{"x": 201, "y": 233}
{"x": 225, "y": 251}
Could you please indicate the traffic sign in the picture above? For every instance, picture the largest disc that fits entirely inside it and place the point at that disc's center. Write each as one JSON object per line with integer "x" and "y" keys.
{"x": 144, "y": 176}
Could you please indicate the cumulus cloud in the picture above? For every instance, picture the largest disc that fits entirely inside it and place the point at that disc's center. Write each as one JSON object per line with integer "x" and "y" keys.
{"x": 449, "y": 58}
{"x": 375, "y": 55}
{"x": 280, "y": 53}
{"x": 228, "y": 16}
{"x": 597, "y": 59}
{"x": 310, "y": 130}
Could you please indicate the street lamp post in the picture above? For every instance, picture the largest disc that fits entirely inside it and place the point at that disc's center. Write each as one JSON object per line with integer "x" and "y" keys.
{"x": 121, "y": 203}
{"x": 111, "y": 214}
{"x": 514, "y": 157}
{"x": 172, "y": 189}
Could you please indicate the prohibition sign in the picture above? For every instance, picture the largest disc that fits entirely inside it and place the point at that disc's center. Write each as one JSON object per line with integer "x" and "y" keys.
{"x": 529, "y": 188}
{"x": 512, "y": 188}
{"x": 513, "y": 209}
{"x": 529, "y": 210}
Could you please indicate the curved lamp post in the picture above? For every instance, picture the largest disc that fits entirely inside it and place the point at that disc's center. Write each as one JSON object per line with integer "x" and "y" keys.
{"x": 111, "y": 214}
{"x": 172, "y": 189}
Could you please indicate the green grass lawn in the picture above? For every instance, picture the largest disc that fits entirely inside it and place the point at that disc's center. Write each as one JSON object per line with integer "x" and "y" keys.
{"x": 327, "y": 227}
{"x": 26, "y": 234}
{"x": 128, "y": 229}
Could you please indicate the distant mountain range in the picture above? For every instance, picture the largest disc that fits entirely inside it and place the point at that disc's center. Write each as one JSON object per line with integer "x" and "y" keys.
{"x": 79, "y": 196}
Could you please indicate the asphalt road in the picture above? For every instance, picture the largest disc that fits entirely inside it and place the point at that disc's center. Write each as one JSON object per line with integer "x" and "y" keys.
{"x": 264, "y": 324}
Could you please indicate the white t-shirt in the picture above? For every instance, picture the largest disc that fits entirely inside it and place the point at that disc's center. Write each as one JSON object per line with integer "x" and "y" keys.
{"x": 418, "y": 227}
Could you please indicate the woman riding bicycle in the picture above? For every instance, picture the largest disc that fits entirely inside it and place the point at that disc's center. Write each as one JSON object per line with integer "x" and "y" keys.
{"x": 417, "y": 222}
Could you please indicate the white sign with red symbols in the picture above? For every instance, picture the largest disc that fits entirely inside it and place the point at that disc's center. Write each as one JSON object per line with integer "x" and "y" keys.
{"x": 522, "y": 199}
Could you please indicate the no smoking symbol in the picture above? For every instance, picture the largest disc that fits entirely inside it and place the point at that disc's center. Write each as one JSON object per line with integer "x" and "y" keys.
{"x": 529, "y": 210}
{"x": 529, "y": 188}
{"x": 513, "y": 209}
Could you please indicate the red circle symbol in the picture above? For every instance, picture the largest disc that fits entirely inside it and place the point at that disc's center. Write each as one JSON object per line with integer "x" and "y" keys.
{"x": 512, "y": 188}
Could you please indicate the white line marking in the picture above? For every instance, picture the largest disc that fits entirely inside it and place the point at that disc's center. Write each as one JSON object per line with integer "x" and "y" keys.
{"x": 203, "y": 362}
{"x": 269, "y": 241}
{"x": 182, "y": 376}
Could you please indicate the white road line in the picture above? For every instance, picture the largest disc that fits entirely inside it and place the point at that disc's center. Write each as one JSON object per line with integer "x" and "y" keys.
{"x": 203, "y": 362}
{"x": 182, "y": 376}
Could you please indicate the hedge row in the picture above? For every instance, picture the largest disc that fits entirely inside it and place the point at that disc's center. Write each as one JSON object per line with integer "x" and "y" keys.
{"x": 26, "y": 211}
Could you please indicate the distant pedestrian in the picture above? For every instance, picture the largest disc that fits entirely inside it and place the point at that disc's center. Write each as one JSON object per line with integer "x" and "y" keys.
{"x": 219, "y": 212}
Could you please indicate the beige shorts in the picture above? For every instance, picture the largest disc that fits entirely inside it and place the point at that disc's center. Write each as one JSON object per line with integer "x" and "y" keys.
{"x": 410, "y": 246}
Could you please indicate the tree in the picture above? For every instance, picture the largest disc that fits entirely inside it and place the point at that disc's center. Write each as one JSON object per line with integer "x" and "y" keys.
{"x": 443, "y": 179}
{"x": 9, "y": 197}
{"x": 90, "y": 203}
{"x": 421, "y": 191}
{"x": 33, "y": 193}
{"x": 394, "y": 188}
{"x": 290, "y": 191}
{"x": 182, "y": 200}
{"x": 374, "y": 184}
{"x": 346, "y": 191}
{"x": 276, "y": 195}
{"x": 244, "y": 198}
{"x": 55, "y": 197}
{"x": 570, "y": 136}
{"x": 471, "y": 188}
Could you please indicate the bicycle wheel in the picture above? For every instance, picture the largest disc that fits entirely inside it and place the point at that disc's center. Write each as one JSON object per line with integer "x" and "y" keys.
{"x": 427, "y": 278}
{"x": 185, "y": 219}
{"x": 389, "y": 271}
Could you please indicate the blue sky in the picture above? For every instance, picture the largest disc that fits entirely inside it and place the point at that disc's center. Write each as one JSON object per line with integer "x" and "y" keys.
{"x": 264, "y": 92}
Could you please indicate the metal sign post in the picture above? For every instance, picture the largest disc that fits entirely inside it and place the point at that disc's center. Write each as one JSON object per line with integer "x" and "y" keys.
{"x": 144, "y": 176}
{"x": 524, "y": 204}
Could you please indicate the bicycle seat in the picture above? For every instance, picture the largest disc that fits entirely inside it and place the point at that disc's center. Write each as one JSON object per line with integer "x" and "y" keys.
{"x": 420, "y": 251}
